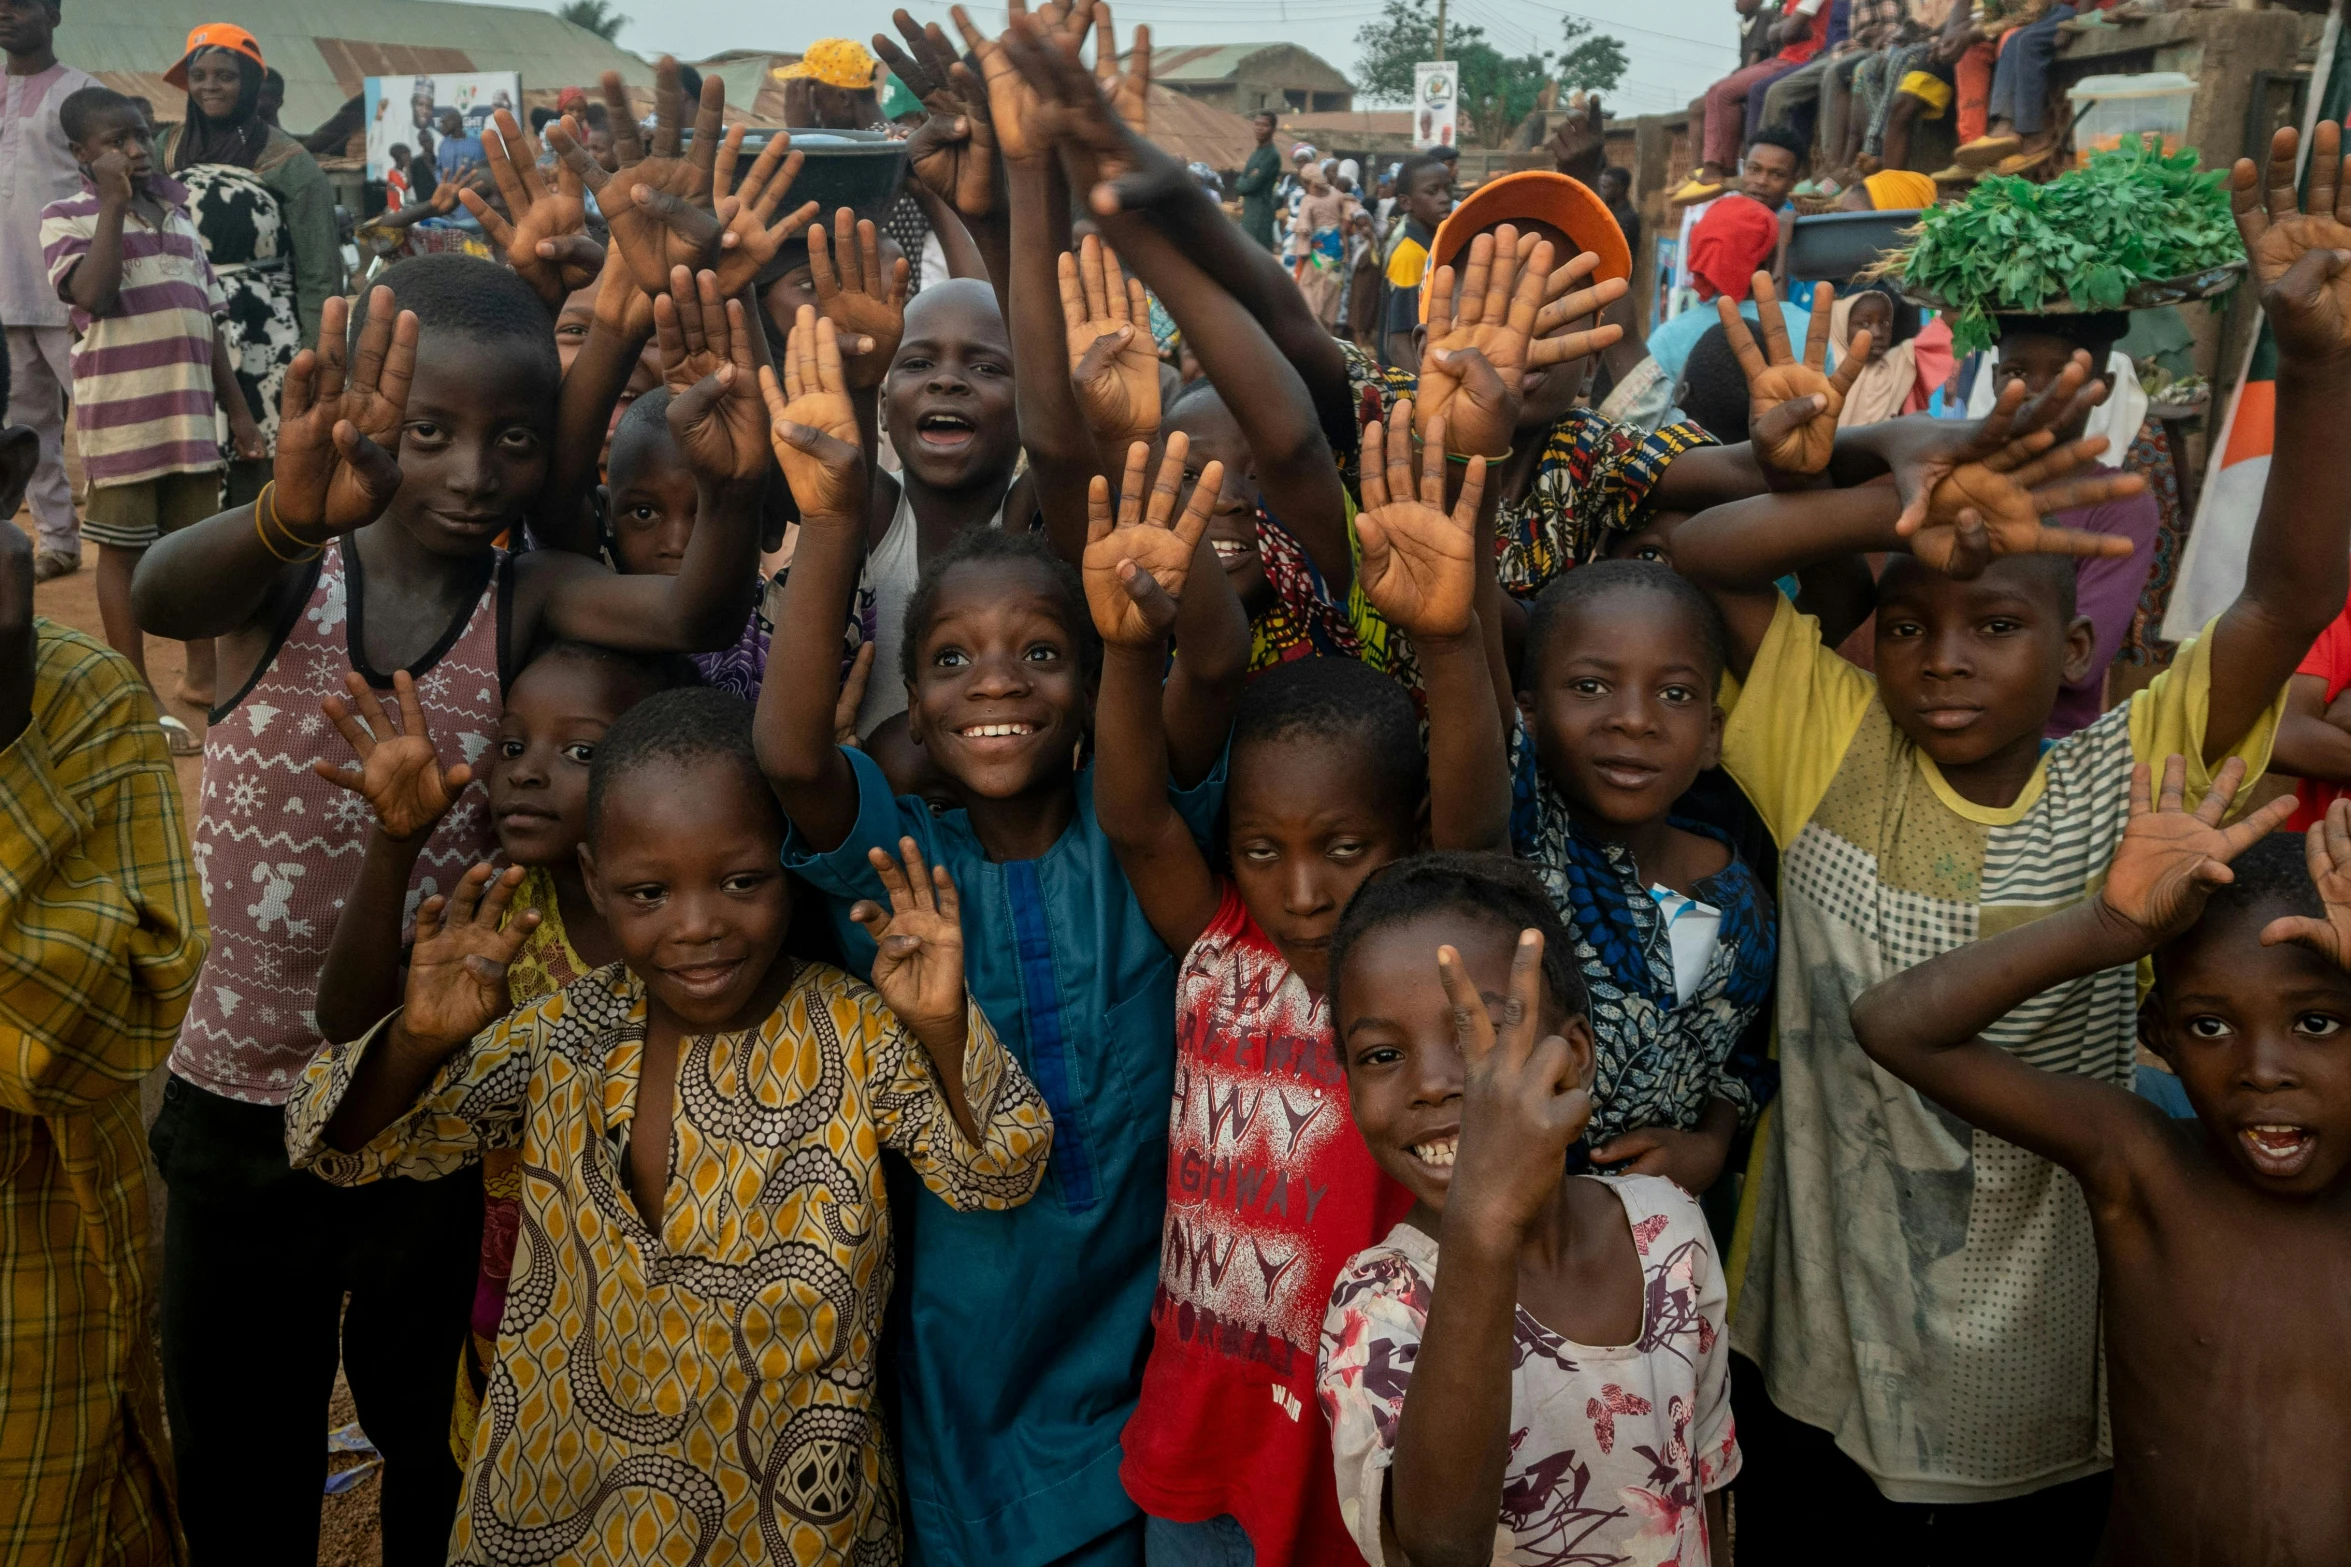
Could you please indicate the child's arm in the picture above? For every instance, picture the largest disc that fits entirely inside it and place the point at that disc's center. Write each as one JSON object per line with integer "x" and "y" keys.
{"x": 546, "y": 244}
{"x": 815, "y": 436}
{"x": 244, "y": 434}
{"x": 1062, "y": 453}
{"x": 1113, "y": 363}
{"x": 859, "y": 296}
{"x": 617, "y": 334}
{"x": 1137, "y": 567}
{"x": 721, "y": 427}
{"x": 2300, "y": 557}
{"x": 1521, "y": 1109}
{"x": 961, "y": 251}
{"x": 2308, "y": 745}
{"x": 456, "y": 988}
{"x": 1420, "y": 571}
{"x": 336, "y": 471}
{"x": 96, "y": 280}
{"x": 918, "y": 966}
{"x": 400, "y": 776}
{"x": 1924, "y": 1024}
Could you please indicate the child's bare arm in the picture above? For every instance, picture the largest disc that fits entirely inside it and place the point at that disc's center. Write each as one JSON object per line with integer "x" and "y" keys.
{"x": 918, "y": 966}
{"x": 961, "y": 251}
{"x": 1521, "y": 1108}
{"x": 1138, "y": 565}
{"x": 617, "y": 335}
{"x": 1925, "y": 1024}
{"x": 456, "y": 987}
{"x": 721, "y": 426}
{"x": 2296, "y": 568}
{"x": 1062, "y": 454}
{"x": 952, "y": 155}
{"x": 402, "y": 780}
{"x": 815, "y": 438}
{"x": 2308, "y": 746}
{"x": 96, "y": 280}
{"x": 336, "y": 471}
{"x": 1211, "y": 666}
{"x": 244, "y": 433}
{"x": 1421, "y": 571}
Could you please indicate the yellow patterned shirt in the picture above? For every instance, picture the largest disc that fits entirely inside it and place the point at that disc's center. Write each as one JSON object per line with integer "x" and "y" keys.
{"x": 101, "y": 937}
{"x": 704, "y": 1395}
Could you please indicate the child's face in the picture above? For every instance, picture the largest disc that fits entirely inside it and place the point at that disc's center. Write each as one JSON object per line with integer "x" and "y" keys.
{"x": 1404, "y": 1067}
{"x": 1653, "y": 540}
{"x": 686, "y": 868}
{"x": 2037, "y": 360}
{"x": 556, "y": 711}
{"x": 1232, "y": 524}
{"x": 2261, "y": 1040}
{"x": 1874, "y": 313}
{"x": 120, "y": 130}
{"x": 1429, "y": 195}
{"x": 909, "y": 768}
{"x": 949, "y": 390}
{"x": 998, "y": 696}
{"x": 1623, "y": 708}
{"x": 473, "y": 452}
{"x": 1968, "y": 669}
{"x": 1305, "y": 832}
{"x": 653, "y": 497}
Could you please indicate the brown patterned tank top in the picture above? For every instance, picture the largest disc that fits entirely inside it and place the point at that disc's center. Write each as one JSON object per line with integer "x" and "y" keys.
{"x": 278, "y": 848}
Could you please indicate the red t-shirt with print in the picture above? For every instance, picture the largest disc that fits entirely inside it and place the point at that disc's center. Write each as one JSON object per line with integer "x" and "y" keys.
{"x": 1270, "y": 1191}
{"x": 2329, "y": 659}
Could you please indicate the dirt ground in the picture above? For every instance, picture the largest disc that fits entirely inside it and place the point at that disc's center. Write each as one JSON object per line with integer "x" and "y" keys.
{"x": 348, "y": 1533}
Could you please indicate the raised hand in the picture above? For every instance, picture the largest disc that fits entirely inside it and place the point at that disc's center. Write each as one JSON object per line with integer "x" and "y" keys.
{"x": 918, "y": 944}
{"x": 1476, "y": 359}
{"x": 654, "y": 235}
{"x": 753, "y": 233}
{"x": 538, "y": 243}
{"x": 457, "y": 970}
{"x": 1012, "y": 100}
{"x": 1566, "y": 302}
{"x": 1113, "y": 363}
{"x": 2299, "y": 252}
{"x": 1521, "y": 1105}
{"x": 339, "y": 426}
{"x": 1137, "y": 562}
{"x": 1797, "y": 443}
{"x": 716, "y": 415}
{"x": 2171, "y": 858}
{"x": 399, "y": 773}
{"x": 954, "y": 151}
{"x": 1995, "y": 506}
{"x": 2328, "y": 844}
{"x": 865, "y": 301}
{"x": 1419, "y": 567}
{"x": 110, "y": 171}
{"x": 1128, "y": 90}
{"x": 812, "y": 425}
{"x": 1102, "y": 152}
{"x": 2015, "y": 421}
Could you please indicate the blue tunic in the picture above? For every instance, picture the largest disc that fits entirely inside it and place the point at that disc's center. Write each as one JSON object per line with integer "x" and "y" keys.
{"x": 1018, "y": 1338}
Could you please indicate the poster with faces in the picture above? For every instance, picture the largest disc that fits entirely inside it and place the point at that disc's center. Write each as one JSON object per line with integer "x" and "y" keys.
{"x": 415, "y": 112}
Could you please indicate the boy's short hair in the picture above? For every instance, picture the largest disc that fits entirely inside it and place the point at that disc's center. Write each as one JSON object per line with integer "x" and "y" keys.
{"x": 673, "y": 728}
{"x": 653, "y": 673}
{"x": 467, "y": 297}
{"x": 82, "y": 110}
{"x": 2272, "y": 878}
{"x": 598, "y": 117}
{"x": 1417, "y": 164}
{"x": 988, "y": 546}
{"x": 645, "y": 419}
{"x": 1340, "y": 699}
{"x": 1568, "y": 593}
{"x": 398, "y": 152}
{"x": 1713, "y": 393}
{"x": 2096, "y": 330}
{"x": 1490, "y": 888}
{"x": 1782, "y": 137}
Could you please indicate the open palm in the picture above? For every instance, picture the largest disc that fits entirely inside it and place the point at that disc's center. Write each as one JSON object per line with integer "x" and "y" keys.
{"x": 1776, "y": 377}
{"x": 860, "y": 296}
{"x": 1489, "y": 326}
{"x": 2171, "y": 858}
{"x": 1419, "y": 566}
{"x": 918, "y": 942}
{"x": 1113, "y": 362}
{"x": 954, "y": 151}
{"x": 1138, "y": 559}
{"x": 398, "y": 772}
{"x": 339, "y": 422}
{"x": 2001, "y": 505}
{"x": 2310, "y": 313}
{"x": 457, "y": 970}
{"x": 812, "y": 424}
{"x": 2328, "y": 848}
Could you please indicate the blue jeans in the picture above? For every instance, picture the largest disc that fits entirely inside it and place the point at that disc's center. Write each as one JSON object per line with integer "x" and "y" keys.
{"x": 1214, "y": 1542}
{"x": 2020, "y": 81}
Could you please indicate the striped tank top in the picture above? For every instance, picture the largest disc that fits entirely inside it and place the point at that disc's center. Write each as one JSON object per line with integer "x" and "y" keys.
{"x": 278, "y": 848}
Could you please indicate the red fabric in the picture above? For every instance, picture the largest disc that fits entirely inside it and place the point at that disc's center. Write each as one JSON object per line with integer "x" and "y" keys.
{"x": 2329, "y": 659}
{"x": 1269, "y": 1192}
{"x": 1735, "y": 237}
{"x": 1931, "y": 349}
{"x": 1804, "y": 48}
{"x": 1973, "y": 82}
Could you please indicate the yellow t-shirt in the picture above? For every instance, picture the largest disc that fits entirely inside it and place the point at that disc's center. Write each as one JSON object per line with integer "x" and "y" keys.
{"x": 1924, "y": 1291}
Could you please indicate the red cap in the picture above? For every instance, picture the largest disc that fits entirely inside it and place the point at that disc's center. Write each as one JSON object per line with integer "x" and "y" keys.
{"x": 1568, "y": 205}
{"x": 215, "y": 35}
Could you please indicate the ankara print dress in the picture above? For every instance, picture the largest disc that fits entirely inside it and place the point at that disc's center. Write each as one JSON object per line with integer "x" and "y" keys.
{"x": 703, "y": 1396}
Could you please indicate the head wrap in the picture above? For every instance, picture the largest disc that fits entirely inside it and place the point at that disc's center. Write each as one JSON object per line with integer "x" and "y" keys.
{"x": 1350, "y": 170}
{"x": 1734, "y": 239}
{"x": 1899, "y": 190}
{"x": 1304, "y": 149}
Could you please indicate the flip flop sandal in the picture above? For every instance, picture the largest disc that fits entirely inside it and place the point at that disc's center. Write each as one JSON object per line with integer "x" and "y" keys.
{"x": 178, "y": 738}
{"x": 2023, "y": 162}
{"x": 1694, "y": 191}
{"x": 1985, "y": 151}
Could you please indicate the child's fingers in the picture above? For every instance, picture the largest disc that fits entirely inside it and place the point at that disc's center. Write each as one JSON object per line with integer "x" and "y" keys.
{"x": 1850, "y": 367}
{"x": 411, "y": 711}
{"x": 1782, "y": 420}
{"x": 2215, "y": 803}
{"x": 1440, "y": 289}
{"x": 772, "y": 391}
{"x": 1156, "y": 603}
{"x": 2302, "y": 931}
{"x": 375, "y": 341}
{"x": 1098, "y": 518}
{"x": 1565, "y": 348}
{"x": 821, "y": 277}
{"x": 1432, "y": 464}
{"x": 1816, "y": 339}
{"x": 1194, "y": 522}
{"x": 301, "y": 390}
{"x": 2097, "y": 490}
{"x": 399, "y": 364}
{"x": 1742, "y": 341}
{"x": 1399, "y": 449}
{"x": 1775, "y": 325}
{"x": 1474, "y": 278}
{"x": 1160, "y": 510}
{"x": 2018, "y": 453}
{"x": 949, "y": 899}
{"x": 1526, "y": 299}
{"x": 2258, "y": 825}
{"x": 497, "y": 895}
{"x": 1371, "y": 456}
{"x": 1473, "y": 492}
{"x": 669, "y": 335}
{"x": 1090, "y": 274}
{"x": 2173, "y": 793}
{"x": 709, "y": 120}
{"x": 893, "y": 879}
{"x": 722, "y": 168}
{"x": 1117, "y": 301}
{"x": 1130, "y": 483}
{"x": 1100, "y": 356}
{"x": 1138, "y": 305}
{"x": 428, "y": 918}
{"x": 1526, "y": 995}
{"x": 496, "y": 229}
{"x": 713, "y": 308}
{"x": 342, "y": 777}
{"x": 869, "y": 254}
{"x": 828, "y": 359}
{"x": 2278, "y": 189}
{"x": 2142, "y": 789}
{"x": 511, "y": 936}
{"x": 1073, "y": 293}
{"x": 1584, "y": 302}
{"x": 1473, "y": 1028}
{"x": 577, "y": 160}
{"x": 468, "y": 895}
{"x": 918, "y": 874}
{"x": 2338, "y": 839}
{"x": 2074, "y": 541}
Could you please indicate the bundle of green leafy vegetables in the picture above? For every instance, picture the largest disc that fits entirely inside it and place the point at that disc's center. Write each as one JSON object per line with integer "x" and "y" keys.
{"x": 2134, "y": 215}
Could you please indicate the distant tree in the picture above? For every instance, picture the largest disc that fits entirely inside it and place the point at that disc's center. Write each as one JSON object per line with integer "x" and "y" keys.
{"x": 597, "y": 16}
{"x": 1403, "y": 35}
{"x": 1590, "y": 63}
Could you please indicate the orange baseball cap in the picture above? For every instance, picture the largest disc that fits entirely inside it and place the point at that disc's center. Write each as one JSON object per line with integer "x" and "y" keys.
{"x": 1568, "y": 205}
{"x": 215, "y": 35}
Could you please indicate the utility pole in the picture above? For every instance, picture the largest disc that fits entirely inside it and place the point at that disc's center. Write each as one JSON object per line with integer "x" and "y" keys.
{"x": 1440, "y": 31}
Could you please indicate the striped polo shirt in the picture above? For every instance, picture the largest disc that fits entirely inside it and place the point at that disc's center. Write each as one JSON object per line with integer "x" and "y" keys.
{"x": 142, "y": 373}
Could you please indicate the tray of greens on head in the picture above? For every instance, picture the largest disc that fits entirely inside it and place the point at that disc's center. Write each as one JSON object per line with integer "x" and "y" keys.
{"x": 2133, "y": 230}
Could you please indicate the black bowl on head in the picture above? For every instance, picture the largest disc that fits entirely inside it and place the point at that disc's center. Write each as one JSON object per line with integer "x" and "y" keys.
{"x": 1830, "y": 247}
{"x": 860, "y": 170}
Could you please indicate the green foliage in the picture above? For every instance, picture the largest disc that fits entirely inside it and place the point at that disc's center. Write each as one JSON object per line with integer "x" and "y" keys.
{"x": 1497, "y": 90}
{"x": 597, "y": 16}
{"x": 1590, "y": 64}
{"x": 2132, "y": 216}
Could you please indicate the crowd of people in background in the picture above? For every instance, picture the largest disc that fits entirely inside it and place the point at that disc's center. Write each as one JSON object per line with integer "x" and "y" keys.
{"x": 1038, "y": 877}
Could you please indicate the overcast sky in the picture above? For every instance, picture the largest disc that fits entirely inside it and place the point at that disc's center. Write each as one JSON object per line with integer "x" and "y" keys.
{"x": 1677, "y": 46}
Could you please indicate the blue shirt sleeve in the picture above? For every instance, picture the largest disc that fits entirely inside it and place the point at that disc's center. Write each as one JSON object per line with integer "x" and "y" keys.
{"x": 843, "y": 871}
{"x": 1200, "y": 804}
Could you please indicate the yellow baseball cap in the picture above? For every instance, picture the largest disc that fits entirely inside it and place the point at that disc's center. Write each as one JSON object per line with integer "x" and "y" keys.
{"x": 836, "y": 62}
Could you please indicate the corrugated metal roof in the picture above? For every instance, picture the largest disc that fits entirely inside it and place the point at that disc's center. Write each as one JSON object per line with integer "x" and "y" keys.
{"x": 1224, "y": 62}
{"x": 109, "y": 36}
{"x": 1198, "y": 132}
